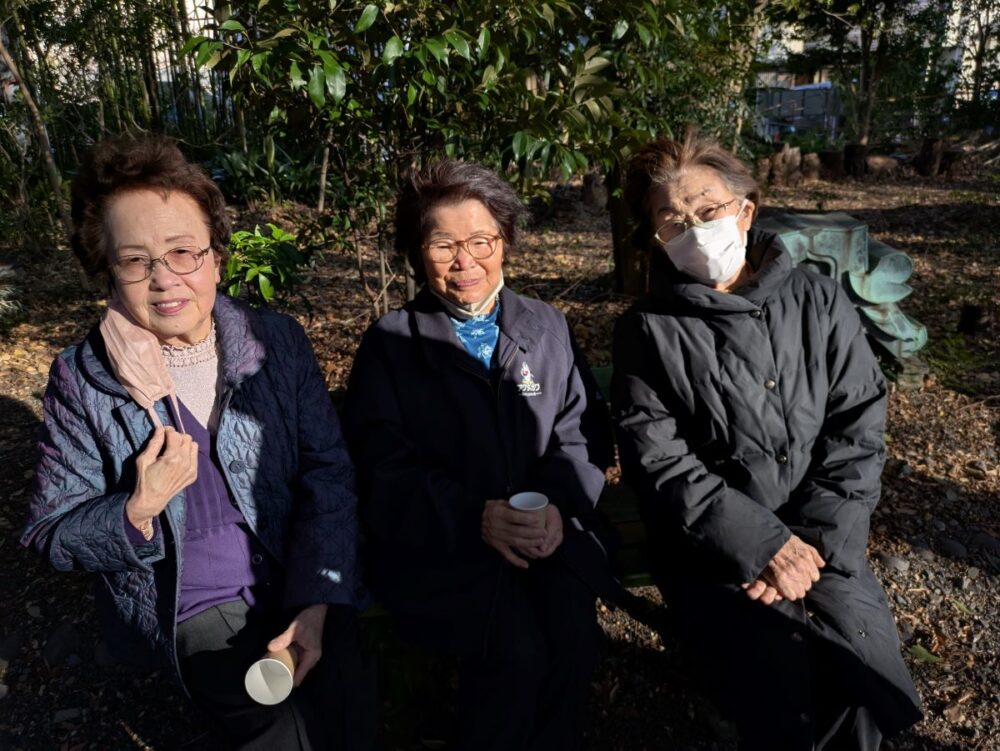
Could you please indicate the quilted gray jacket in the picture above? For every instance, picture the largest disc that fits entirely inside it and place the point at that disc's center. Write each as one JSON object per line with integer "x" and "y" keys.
{"x": 279, "y": 447}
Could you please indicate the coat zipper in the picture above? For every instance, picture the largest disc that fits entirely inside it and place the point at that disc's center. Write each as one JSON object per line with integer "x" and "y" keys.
{"x": 498, "y": 391}
{"x": 499, "y": 394}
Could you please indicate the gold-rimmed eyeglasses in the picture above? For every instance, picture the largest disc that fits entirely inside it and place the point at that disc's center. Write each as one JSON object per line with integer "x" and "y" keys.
{"x": 675, "y": 226}
{"x": 479, "y": 246}
{"x": 136, "y": 268}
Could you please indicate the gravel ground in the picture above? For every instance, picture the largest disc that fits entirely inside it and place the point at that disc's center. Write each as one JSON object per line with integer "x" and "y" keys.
{"x": 935, "y": 542}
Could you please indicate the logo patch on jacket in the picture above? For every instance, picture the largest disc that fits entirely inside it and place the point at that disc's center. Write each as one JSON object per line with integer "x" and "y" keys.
{"x": 528, "y": 386}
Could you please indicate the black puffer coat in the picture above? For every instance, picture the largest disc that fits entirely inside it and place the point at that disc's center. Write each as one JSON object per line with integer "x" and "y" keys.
{"x": 744, "y": 418}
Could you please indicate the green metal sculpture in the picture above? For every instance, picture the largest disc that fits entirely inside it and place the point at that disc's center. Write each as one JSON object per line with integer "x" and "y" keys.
{"x": 837, "y": 245}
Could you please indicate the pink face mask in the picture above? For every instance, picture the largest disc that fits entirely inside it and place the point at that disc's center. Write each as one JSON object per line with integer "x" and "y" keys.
{"x": 136, "y": 360}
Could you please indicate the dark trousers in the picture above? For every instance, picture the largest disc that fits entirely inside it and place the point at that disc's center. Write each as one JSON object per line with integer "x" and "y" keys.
{"x": 523, "y": 683}
{"x": 332, "y": 709}
{"x": 841, "y": 724}
{"x": 771, "y": 673}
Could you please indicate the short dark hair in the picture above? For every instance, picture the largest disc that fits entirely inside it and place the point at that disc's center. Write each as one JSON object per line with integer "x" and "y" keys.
{"x": 118, "y": 165}
{"x": 444, "y": 183}
{"x": 659, "y": 162}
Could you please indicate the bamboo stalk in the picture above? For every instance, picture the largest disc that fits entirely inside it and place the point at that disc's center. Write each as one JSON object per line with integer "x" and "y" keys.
{"x": 194, "y": 80}
{"x": 44, "y": 146}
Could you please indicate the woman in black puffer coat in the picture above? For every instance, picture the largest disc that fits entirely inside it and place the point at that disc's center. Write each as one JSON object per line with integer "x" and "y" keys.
{"x": 750, "y": 412}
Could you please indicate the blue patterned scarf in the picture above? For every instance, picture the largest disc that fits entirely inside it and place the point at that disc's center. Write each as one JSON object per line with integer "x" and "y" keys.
{"x": 479, "y": 334}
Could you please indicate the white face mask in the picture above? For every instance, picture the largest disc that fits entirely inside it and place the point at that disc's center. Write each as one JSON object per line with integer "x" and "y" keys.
{"x": 712, "y": 252}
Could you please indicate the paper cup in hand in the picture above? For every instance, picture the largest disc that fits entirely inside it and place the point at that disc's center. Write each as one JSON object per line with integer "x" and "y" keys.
{"x": 269, "y": 680}
{"x": 530, "y": 501}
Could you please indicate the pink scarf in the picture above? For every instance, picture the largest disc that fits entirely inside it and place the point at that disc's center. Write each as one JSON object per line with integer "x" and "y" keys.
{"x": 137, "y": 361}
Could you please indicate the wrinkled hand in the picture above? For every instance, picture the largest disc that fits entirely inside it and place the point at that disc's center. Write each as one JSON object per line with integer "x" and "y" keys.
{"x": 161, "y": 476}
{"x": 762, "y": 591}
{"x": 505, "y": 528}
{"x": 305, "y": 632}
{"x": 794, "y": 569}
{"x": 553, "y": 535}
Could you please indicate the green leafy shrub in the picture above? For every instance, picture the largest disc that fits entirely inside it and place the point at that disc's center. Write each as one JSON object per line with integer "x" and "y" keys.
{"x": 269, "y": 175}
{"x": 263, "y": 266}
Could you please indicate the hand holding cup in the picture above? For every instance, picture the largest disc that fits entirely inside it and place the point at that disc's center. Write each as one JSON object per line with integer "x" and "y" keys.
{"x": 269, "y": 680}
{"x": 506, "y": 527}
{"x": 551, "y": 521}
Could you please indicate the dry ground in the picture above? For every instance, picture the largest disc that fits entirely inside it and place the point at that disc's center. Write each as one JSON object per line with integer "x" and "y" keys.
{"x": 935, "y": 541}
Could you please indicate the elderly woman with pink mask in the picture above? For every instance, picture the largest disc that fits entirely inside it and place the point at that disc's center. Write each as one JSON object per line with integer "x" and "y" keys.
{"x": 750, "y": 412}
{"x": 190, "y": 459}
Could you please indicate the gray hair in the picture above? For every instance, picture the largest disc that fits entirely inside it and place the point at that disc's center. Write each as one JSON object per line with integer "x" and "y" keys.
{"x": 660, "y": 162}
{"x": 448, "y": 182}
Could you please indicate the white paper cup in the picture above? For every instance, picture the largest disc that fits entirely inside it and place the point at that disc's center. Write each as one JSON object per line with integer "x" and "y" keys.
{"x": 529, "y": 501}
{"x": 269, "y": 680}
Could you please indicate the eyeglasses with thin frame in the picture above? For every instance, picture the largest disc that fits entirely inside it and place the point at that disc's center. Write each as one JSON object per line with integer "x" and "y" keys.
{"x": 136, "y": 268}
{"x": 479, "y": 246}
{"x": 671, "y": 228}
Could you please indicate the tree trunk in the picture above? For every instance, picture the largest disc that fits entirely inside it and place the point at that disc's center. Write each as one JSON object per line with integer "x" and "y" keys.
{"x": 868, "y": 81}
{"x": 194, "y": 81}
{"x": 122, "y": 75}
{"x": 150, "y": 78}
{"x": 870, "y": 92}
{"x": 833, "y": 164}
{"x": 324, "y": 166}
{"x": 951, "y": 163}
{"x": 178, "y": 70}
{"x": 29, "y": 34}
{"x": 383, "y": 276}
{"x": 44, "y": 147}
{"x": 864, "y": 75}
{"x": 744, "y": 54}
{"x": 241, "y": 127}
{"x": 854, "y": 159}
{"x": 979, "y": 56}
{"x": 359, "y": 258}
{"x": 106, "y": 73}
{"x": 928, "y": 161}
{"x": 411, "y": 281}
{"x": 631, "y": 263}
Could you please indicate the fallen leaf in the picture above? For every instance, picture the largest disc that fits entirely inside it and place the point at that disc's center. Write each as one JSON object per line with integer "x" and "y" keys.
{"x": 921, "y": 654}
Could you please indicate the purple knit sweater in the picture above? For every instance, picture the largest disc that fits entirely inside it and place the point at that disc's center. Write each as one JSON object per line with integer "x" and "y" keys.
{"x": 223, "y": 561}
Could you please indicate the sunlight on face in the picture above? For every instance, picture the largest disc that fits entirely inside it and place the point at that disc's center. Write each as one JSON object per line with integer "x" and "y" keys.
{"x": 696, "y": 189}
{"x": 177, "y": 308}
{"x": 466, "y": 280}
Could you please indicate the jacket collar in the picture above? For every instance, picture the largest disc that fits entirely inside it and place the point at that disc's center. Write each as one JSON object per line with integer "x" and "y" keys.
{"x": 518, "y": 328}
{"x": 241, "y": 345}
{"x": 766, "y": 255}
{"x": 241, "y": 339}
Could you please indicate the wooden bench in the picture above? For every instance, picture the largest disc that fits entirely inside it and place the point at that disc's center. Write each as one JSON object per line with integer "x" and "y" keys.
{"x": 619, "y": 504}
